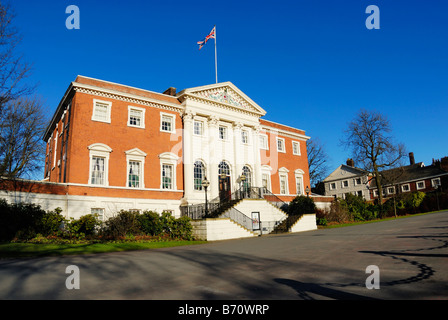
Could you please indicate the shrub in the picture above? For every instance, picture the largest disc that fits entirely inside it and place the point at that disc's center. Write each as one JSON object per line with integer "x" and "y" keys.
{"x": 182, "y": 228}
{"x": 338, "y": 211}
{"x": 52, "y": 221}
{"x": 150, "y": 223}
{"x": 86, "y": 225}
{"x": 20, "y": 220}
{"x": 301, "y": 205}
{"x": 124, "y": 223}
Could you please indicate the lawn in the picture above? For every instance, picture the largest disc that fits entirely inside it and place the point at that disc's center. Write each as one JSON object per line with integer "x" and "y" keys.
{"x": 19, "y": 250}
{"x": 353, "y": 223}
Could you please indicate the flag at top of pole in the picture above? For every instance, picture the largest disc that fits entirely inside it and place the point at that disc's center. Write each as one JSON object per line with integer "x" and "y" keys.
{"x": 211, "y": 35}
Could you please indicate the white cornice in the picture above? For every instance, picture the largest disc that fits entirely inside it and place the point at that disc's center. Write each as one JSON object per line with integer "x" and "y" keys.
{"x": 281, "y": 132}
{"x": 128, "y": 97}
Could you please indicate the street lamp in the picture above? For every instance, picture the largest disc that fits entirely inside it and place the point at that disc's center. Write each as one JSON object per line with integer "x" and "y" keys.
{"x": 307, "y": 190}
{"x": 205, "y": 184}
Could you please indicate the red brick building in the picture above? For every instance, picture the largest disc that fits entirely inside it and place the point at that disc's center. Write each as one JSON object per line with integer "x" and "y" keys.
{"x": 116, "y": 147}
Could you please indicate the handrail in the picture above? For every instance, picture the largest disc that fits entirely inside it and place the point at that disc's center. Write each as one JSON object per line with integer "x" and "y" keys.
{"x": 239, "y": 217}
{"x": 217, "y": 205}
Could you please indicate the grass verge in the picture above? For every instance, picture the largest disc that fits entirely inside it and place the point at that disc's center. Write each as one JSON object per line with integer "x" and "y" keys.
{"x": 20, "y": 250}
{"x": 347, "y": 224}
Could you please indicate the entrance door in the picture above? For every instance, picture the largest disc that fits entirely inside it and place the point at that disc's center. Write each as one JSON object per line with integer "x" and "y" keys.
{"x": 224, "y": 181}
{"x": 224, "y": 188}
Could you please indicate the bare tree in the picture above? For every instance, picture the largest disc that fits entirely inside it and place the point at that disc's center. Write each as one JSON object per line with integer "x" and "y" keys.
{"x": 12, "y": 67}
{"x": 22, "y": 124}
{"x": 373, "y": 147}
{"x": 317, "y": 160}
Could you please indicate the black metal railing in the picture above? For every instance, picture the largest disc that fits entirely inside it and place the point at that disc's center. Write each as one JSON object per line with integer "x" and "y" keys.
{"x": 220, "y": 204}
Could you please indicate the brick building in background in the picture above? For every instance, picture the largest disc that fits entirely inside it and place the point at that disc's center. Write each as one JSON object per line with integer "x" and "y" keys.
{"x": 113, "y": 147}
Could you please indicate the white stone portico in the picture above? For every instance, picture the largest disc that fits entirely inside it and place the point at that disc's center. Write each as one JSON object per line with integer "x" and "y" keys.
{"x": 225, "y": 114}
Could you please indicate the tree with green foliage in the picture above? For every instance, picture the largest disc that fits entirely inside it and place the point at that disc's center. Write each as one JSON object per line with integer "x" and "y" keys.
{"x": 301, "y": 205}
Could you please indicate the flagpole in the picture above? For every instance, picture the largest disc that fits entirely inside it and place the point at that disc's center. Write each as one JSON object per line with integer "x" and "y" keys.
{"x": 216, "y": 60}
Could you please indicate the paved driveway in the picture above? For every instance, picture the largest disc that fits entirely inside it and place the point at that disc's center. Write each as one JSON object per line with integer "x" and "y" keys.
{"x": 411, "y": 254}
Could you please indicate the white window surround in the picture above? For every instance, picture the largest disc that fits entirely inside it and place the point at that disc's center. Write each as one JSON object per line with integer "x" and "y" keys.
{"x": 283, "y": 174}
{"x": 283, "y": 146}
{"x": 264, "y": 145}
{"x": 435, "y": 182}
{"x": 296, "y": 150}
{"x": 343, "y": 184}
{"x": 139, "y": 156}
{"x": 298, "y": 173}
{"x": 168, "y": 158}
{"x": 99, "y": 212}
{"x": 108, "y": 105}
{"x": 223, "y": 133}
{"x": 173, "y": 122}
{"x": 419, "y": 187}
{"x": 199, "y": 128}
{"x": 405, "y": 187}
{"x": 99, "y": 150}
{"x": 266, "y": 170}
{"x": 245, "y": 137}
{"x": 142, "y": 119}
{"x": 332, "y": 185}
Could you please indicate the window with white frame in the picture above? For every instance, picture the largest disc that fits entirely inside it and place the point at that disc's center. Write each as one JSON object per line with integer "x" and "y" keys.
{"x": 198, "y": 128}
{"x": 263, "y": 141}
{"x": 281, "y": 145}
{"x": 391, "y": 190}
{"x": 298, "y": 173}
{"x": 167, "y": 122}
{"x": 357, "y": 181}
{"x": 168, "y": 163}
{"x": 222, "y": 133}
{"x": 375, "y": 193}
{"x": 198, "y": 175}
{"x": 283, "y": 184}
{"x": 333, "y": 186}
{"x": 265, "y": 181}
{"x": 296, "y": 148}
{"x": 345, "y": 184}
{"x": 98, "y": 172}
{"x": 99, "y": 212}
{"x": 405, "y": 187}
{"x": 101, "y": 110}
{"x": 435, "y": 182}
{"x": 247, "y": 183}
{"x": 136, "y": 117}
{"x": 359, "y": 193}
{"x": 135, "y": 159}
{"x": 244, "y": 137}
{"x": 135, "y": 174}
{"x": 167, "y": 176}
{"x": 266, "y": 177}
{"x": 299, "y": 185}
{"x": 99, "y": 164}
{"x": 420, "y": 185}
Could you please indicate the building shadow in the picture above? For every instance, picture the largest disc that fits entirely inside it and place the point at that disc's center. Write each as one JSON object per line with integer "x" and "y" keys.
{"x": 305, "y": 289}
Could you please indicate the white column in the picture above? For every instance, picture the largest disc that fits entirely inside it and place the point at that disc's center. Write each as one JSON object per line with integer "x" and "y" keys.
{"x": 213, "y": 157}
{"x": 257, "y": 157}
{"x": 187, "y": 152}
{"x": 238, "y": 155}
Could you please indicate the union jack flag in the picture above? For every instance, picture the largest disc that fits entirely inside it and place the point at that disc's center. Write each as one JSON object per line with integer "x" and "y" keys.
{"x": 211, "y": 35}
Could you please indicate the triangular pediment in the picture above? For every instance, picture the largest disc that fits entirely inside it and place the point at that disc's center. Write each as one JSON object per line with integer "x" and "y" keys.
{"x": 227, "y": 94}
{"x": 343, "y": 172}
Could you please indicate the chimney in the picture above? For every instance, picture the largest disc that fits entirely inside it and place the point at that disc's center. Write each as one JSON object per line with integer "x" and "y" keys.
{"x": 411, "y": 158}
{"x": 350, "y": 163}
{"x": 170, "y": 91}
{"x": 444, "y": 163}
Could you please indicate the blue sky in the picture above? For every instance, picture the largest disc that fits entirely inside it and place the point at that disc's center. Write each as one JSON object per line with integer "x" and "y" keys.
{"x": 310, "y": 64}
